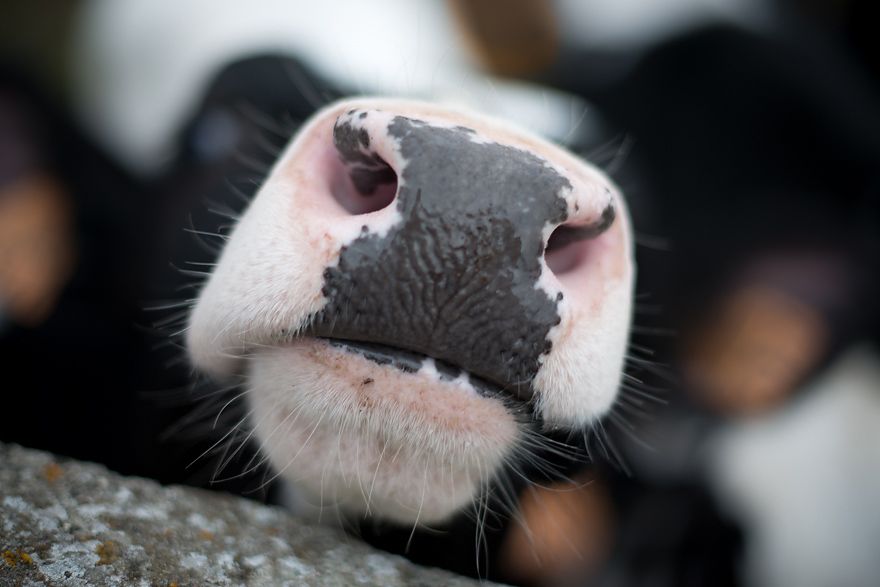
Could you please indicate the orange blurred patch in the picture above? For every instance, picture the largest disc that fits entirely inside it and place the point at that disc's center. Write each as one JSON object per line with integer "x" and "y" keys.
{"x": 37, "y": 247}
{"x": 53, "y": 472}
{"x": 759, "y": 347}
{"x": 564, "y": 535}
{"x": 516, "y": 38}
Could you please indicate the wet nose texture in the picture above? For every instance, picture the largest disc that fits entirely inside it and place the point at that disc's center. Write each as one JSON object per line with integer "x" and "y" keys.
{"x": 456, "y": 278}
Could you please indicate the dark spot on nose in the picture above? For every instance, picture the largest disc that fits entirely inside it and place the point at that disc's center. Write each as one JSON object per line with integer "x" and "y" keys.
{"x": 457, "y": 278}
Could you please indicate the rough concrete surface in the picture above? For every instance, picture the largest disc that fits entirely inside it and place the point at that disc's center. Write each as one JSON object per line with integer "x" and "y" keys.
{"x": 68, "y": 523}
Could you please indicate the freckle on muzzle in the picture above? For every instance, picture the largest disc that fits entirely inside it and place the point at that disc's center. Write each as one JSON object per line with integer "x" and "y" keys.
{"x": 456, "y": 278}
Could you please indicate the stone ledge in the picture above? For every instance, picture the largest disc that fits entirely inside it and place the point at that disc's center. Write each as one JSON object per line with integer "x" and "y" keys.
{"x": 68, "y": 523}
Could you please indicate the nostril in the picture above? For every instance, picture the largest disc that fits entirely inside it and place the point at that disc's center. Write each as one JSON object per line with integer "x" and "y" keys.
{"x": 565, "y": 250}
{"x": 568, "y": 247}
{"x": 360, "y": 180}
{"x": 361, "y": 190}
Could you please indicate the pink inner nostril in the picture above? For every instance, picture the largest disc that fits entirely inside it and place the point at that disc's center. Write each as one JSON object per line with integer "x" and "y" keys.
{"x": 358, "y": 190}
{"x": 565, "y": 250}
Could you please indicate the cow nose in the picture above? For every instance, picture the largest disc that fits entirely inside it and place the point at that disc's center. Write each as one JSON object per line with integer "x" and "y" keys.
{"x": 445, "y": 247}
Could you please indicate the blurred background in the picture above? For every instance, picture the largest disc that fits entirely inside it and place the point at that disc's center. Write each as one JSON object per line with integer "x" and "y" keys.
{"x": 745, "y": 448}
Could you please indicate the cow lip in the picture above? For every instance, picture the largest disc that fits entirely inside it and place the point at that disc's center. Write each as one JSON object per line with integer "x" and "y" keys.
{"x": 411, "y": 362}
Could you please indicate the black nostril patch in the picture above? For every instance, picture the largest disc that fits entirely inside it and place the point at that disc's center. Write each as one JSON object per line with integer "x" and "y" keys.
{"x": 364, "y": 182}
{"x": 457, "y": 277}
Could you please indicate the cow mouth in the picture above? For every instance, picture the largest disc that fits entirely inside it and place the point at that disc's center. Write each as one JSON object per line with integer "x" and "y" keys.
{"x": 413, "y": 362}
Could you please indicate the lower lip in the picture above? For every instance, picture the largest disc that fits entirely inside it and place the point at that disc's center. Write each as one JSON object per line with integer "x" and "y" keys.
{"x": 410, "y": 362}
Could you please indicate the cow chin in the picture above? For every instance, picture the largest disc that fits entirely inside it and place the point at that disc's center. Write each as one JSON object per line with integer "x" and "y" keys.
{"x": 370, "y": 439}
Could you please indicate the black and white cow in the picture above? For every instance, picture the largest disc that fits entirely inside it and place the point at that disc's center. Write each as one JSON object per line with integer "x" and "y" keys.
{"x": 413, "y": 296}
